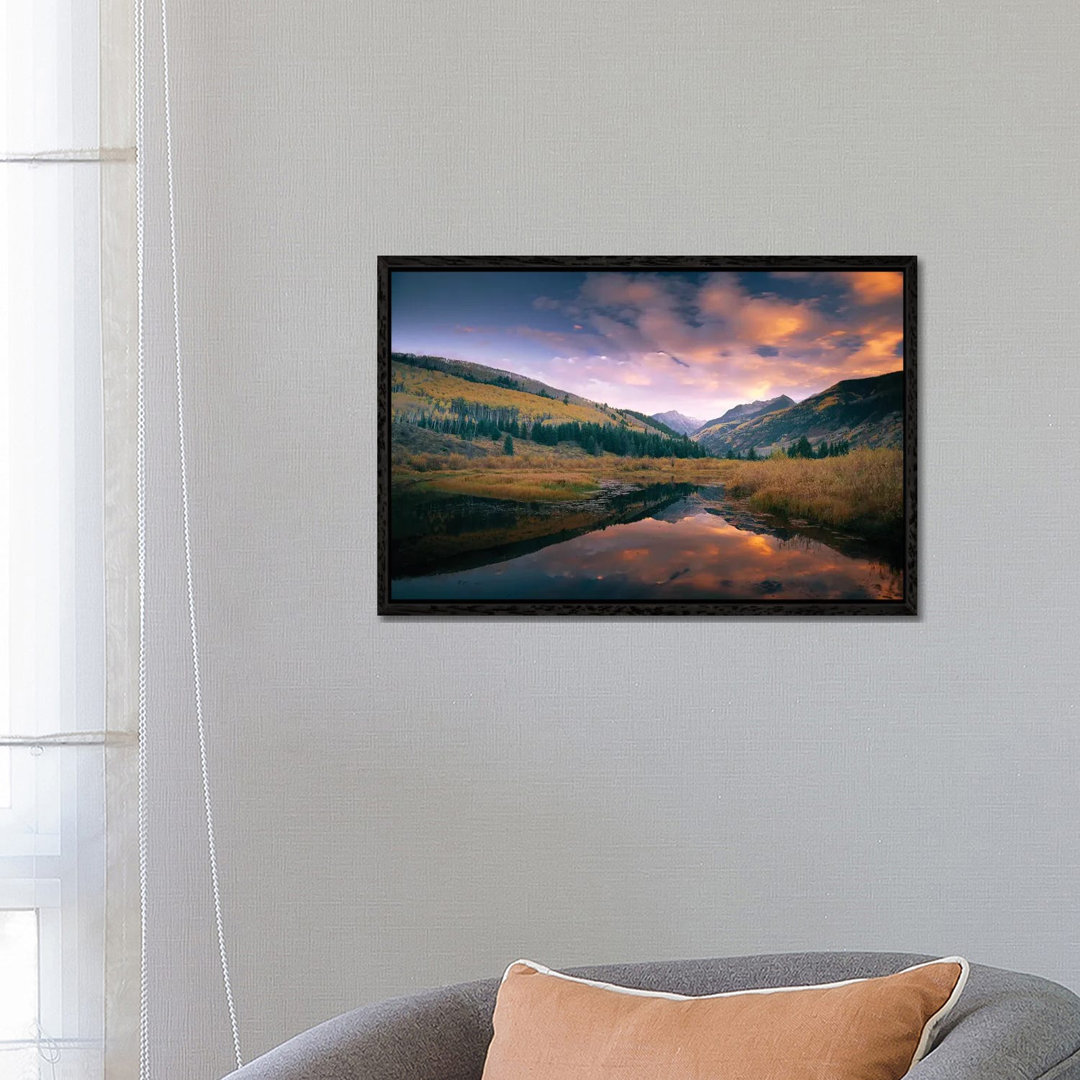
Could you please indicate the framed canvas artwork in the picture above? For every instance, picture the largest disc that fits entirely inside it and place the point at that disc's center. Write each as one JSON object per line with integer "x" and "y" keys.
{"x": 647, "y": 436}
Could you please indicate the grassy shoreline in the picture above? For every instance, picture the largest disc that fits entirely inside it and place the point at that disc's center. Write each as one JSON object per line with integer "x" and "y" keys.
{"x": 862, "y": 491}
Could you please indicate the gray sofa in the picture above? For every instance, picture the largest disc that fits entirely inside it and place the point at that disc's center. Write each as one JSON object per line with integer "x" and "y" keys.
{"x": 1005, "y": 1026}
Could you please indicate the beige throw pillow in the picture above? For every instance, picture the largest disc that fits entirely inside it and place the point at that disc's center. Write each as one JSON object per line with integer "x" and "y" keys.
{"x": 550, "y": 1026}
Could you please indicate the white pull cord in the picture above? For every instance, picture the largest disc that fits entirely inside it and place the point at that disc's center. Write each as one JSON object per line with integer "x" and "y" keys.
{"x": 140, "y": 455}
{"x": 140, "y": 197}
{"x": 197, "y": 680}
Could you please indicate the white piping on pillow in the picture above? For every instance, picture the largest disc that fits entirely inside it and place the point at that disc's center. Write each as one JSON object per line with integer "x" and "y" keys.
{"x": 921, "y": 1050}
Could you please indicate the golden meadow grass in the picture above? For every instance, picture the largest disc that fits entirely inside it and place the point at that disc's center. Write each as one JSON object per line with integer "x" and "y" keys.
{"x": 862, "y": 491}
{"x": 424, "y": 389}
{"x": 518, "y": 486}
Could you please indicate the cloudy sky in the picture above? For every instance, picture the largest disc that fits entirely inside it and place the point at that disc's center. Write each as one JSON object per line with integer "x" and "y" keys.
{"x": 699, "y": 343}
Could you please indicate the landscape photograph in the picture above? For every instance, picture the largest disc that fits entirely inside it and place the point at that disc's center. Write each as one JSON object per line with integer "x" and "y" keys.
{"x": 595, "y": 439}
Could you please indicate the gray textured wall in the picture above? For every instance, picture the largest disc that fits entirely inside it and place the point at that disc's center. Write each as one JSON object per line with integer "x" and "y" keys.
{"x": 409, "y": 803}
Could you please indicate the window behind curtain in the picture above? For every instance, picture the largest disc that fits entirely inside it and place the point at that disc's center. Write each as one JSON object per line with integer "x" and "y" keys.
{"x": 52, "y": 591}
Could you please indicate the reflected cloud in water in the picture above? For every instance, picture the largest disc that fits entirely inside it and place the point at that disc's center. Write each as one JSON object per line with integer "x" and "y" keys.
{"x": 688, "y": 554}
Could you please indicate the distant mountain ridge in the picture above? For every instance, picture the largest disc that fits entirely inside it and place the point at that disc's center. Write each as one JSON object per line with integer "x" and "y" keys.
{"x": 677, "y": 421}
{"x": 423, "y": 384}
{"x": 482, "y": 373}
{"x": 862, "y": 412}
{"x": 740, "y": 413}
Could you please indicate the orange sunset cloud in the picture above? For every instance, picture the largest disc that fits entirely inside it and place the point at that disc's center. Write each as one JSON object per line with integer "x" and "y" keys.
{"x": 700, "y": 342}
{"x": 874, "y": 286}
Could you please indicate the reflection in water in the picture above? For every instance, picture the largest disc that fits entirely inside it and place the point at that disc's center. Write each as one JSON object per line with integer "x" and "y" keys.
{"x": 436, "y": 533}
{"x": 688, "y": 550}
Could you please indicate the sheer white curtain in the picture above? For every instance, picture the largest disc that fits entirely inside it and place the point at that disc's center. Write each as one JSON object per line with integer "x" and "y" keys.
{"x": 60, "y": 245}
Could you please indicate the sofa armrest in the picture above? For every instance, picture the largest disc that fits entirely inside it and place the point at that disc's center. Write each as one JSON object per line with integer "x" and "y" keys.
{"x": 1007, "y": 1026}
{"x": 441, "y": 1034}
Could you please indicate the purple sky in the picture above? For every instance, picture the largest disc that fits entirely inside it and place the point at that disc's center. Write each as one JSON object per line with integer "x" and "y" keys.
{"x": 696, "y": 342}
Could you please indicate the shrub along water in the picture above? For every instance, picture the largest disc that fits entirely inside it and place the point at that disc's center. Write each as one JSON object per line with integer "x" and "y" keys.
{"x": 862, "y": 490}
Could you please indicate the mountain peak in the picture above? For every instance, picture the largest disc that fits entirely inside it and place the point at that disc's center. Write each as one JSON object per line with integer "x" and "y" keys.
{"x": 752, "y": 408}
{"x": 862, "y": 412}
{"x": 677, "y": 421}
{"x": 755, "y": 408}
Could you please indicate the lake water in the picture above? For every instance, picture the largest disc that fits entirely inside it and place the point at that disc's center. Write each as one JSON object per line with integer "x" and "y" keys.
{"x": 665, "y": 544}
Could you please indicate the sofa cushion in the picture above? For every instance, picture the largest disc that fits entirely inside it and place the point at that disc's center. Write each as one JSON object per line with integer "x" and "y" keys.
{"x": 552, "y": 1026}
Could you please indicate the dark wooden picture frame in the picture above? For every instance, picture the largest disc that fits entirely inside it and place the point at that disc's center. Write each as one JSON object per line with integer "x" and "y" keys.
{"x": 425, "y": 543}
